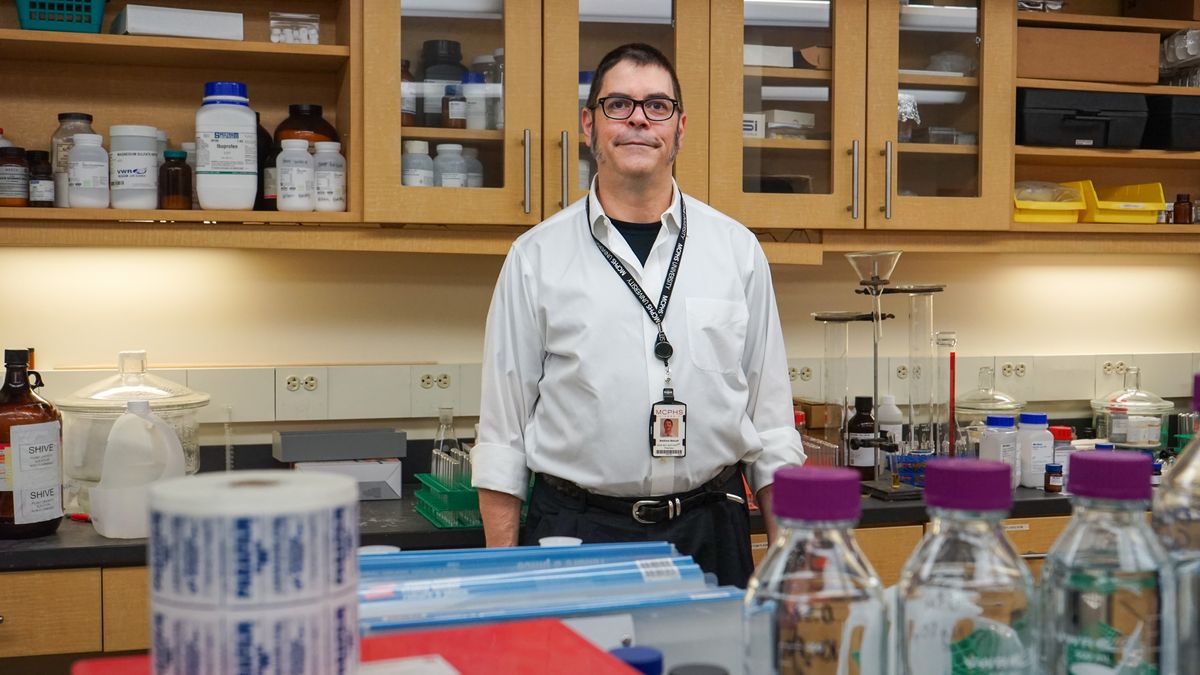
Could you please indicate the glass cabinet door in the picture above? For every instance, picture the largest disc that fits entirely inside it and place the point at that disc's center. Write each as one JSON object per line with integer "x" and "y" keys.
{"x": 452, "y": 92}
{"x": 791, "y": 79}
{"x": 939, "y": 114}
{"x": 584, "y": 31}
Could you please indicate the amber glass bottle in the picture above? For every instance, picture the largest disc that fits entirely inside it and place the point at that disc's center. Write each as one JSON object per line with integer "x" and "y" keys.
{"x": 860, "y": 438}
{"x": 305, "y": 121}
{"x": 30, "y": 454}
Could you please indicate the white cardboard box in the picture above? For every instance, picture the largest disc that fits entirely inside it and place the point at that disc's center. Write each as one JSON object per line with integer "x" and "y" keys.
{"x": 754, "y": 125}
{"x": 190, "y": 23}
{"x": 790, "y": 118}
{"x": 766, "y": 55}
{"x": 377, "y": 478}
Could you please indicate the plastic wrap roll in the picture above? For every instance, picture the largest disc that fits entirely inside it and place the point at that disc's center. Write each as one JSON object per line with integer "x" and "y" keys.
{"x": 254, "y": 572}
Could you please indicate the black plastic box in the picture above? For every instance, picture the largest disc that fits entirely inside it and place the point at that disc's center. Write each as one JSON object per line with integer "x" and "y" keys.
{"x": 1085, "y": 119}
{"x": 1174, "y": 123}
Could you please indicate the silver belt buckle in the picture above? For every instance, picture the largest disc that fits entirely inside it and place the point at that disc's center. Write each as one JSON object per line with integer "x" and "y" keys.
{"x": 637, "y": 507}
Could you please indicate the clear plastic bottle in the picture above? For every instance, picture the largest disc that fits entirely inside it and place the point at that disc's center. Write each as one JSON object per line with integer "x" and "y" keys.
{"x": 449, "y": 167}
{"x": 966, "y": 601}
{"x": 61, "y": 142}
{"x": 998, "y": 443}
{"x": 295, "y": 176}
{"x": 1177, "y": 522}
{"x": 1108, "y": 586}
{"x": 890, "y": 419}
{"x": 87, "y": 169}
{"x": 416, "y": 165}
{"x": 474, "y": 167}
{"x": 330, "y": 166}
{"x": 815, "y": 604}
{"x": 1035, "y": 444}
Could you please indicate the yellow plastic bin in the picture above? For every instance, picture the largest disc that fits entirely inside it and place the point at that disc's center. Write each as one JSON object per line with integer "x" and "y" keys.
{"x": 1031, "y": 211}
{"x": 1138, "y": 203}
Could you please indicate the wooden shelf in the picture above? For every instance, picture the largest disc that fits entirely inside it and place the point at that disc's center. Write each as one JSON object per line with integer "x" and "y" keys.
{"x": 1072, "y": 85}
{"x": 937, "y": 149}
{"x": 1029, "y": 154}
{"x": 136, "y": 50}
{"x": 1108, "y": 228}
{"x": 807, "y": 74}
{"x": 785, "y": 144}
{"x": 11, "y": 214}
{"x": 940, "y": 81}
{"x": 1097, "y": 22}
{"x": 434, "y": 133}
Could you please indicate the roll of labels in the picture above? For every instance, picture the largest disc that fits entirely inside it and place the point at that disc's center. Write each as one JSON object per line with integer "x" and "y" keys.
{"x": 254, "y": 572}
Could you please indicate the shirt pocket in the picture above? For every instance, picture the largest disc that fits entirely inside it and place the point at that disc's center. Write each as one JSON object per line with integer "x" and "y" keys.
{"x": 716, "y": 333}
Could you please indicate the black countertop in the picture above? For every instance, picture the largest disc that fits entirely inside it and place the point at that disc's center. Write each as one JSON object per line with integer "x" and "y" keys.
{"x": 396, "y": 523}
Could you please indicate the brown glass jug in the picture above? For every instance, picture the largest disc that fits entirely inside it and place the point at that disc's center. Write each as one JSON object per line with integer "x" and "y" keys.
{"x": 30, "y": 454}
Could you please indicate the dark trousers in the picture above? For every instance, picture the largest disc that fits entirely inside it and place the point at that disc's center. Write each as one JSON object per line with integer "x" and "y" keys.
{"x": 716, "y": 535}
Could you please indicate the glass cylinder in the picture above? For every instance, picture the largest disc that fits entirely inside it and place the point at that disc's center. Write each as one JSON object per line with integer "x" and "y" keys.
{"x": 942, "y": 416}
{"x": 835, "y": 385}
{"x": 922, "y": 366}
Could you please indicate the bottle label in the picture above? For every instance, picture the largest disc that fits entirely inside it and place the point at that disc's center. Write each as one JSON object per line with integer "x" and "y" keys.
{"x": 270, "y": 182}
{"x": 89, "y": 175}
{"x": 474, "y": 179}
{"x": 418, "y": 177}
{"x": 133, "y": 169}
{"x": 860, "y": 455}
{"x": 1056, "y": 480}
{"x": 458, "y": 110}
{"x": 295, "y": 182}
{"x": 1111, "y": 621}
{"x": 41, "y": 190}
{"x": 331, "y": 187}
{"x": 476, "y": 112}
{"x": 14, "y": 181}
{"x": 230, "y": 153}
{"x": 408, "y": 98}
{"x": 32, "y": 470}
{"x": 60, "y": 156}
{"x": 454, "y": 179}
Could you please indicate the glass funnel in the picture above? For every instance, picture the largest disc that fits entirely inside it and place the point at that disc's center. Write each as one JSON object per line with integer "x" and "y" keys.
{"x": 874, "y": 265}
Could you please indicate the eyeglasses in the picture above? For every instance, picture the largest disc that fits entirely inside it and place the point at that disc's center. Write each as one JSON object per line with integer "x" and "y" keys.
{"x": 656, "y": 109}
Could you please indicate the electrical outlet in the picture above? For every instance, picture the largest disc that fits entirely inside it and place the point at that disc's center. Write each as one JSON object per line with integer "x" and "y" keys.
{"x": 434, "y": 386}
{"x": 793, "y": 373}
{"x": 902, "y": 372}
{"x": 443, "y": 380}
{"x": 310, "y": 382}
{"x": 806, "y": 374}
{"x": 1007, "y": 369}
{"x": 426, "y": 381}
{"x": 1020, "y": 370}
{"x": 1015, "y": 376}
{"x": 805, "y": 377}
{"x": 292, "y": 383}
{"x": 1109, "y": 370}
{"x": 298, "y": 395}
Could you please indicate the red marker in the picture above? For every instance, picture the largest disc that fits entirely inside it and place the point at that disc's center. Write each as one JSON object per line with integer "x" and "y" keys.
{"x": 80, "y": 517}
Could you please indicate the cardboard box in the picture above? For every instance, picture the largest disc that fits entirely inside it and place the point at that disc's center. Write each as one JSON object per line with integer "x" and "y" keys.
{"x": 377, "y": 478}
{"x": 754, "y": 125}
{"x": 1087, "y": 55}
{"x": 1185, "y": 10}
{"x": 766, "y": 55}
{"x": 791, "y": 118}
{"x": 815, "y": 412}
{"x": 190, "y": 23}
{"x": 819, "y": 58}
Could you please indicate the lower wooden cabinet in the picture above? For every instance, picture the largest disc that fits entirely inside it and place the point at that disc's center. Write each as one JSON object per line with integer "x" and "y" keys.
{"x": 887, "y": 548}
{"x": 49, "y": 612}
{"x": 1033, "y": 537}
{"x": 126, "y": 608}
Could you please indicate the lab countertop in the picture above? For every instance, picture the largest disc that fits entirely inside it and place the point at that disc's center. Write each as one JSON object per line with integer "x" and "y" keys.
{"x": 397, "y": 523}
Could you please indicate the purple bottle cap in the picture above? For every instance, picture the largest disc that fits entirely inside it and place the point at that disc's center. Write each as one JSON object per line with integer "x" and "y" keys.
{"x": 812, "y": 493}
{"x": 970, "y": 484}
{"x": 1110, "y": 475}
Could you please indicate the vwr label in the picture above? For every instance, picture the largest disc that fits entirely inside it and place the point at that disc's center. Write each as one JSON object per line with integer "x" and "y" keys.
{"x": 33, "y": 467}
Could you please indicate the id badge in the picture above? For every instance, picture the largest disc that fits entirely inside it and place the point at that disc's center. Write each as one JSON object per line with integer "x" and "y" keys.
{"x": 668, "y": 429}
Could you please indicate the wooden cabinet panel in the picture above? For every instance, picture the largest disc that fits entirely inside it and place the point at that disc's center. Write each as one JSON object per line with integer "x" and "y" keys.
{"x": 126, "y": 604}
{"x": 1033, "y": 537}
{"x": 49, "y": 612}
{"x": 888, "y": 548}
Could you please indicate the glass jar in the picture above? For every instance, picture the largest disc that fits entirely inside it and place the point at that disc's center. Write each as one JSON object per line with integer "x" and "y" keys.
{"x": 408, "y": 95}
{"x": 449, "y": 167}
{"x": 61, "y": 142}
{"x": 416, "y": 165}
{"x": 304, "y": 121}
{"x": 454, "y": 108}
{"x": 41, "y": 178}
{"x": 14, "y": 176}
{"x": 31, "y": 497}
{"x": 1130, "y": 417}
{"x": 175, "y": 181}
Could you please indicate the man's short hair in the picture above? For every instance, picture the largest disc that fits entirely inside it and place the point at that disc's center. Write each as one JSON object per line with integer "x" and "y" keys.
{"x": 640, "y": 54}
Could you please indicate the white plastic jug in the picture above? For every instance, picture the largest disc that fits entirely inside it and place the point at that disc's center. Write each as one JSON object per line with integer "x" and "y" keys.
{"x": 141, "y": 450}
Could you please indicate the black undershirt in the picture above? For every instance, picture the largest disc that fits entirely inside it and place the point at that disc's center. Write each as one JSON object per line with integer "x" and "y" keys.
{"x": 639, "y": 236}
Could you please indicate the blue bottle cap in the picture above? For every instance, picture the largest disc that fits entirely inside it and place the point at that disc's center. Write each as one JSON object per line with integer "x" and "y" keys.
{"x": 1034, "y": 418}
{"x": 647, "y": 660}
{"x": 1157, "y": 466}
{"x": 1054, "y": 468}
{"x": 1000, "y": 421}
{"x": 473, "y": 78}
{"x": 225, "y": 89}
{"x": 1105, "y": 446}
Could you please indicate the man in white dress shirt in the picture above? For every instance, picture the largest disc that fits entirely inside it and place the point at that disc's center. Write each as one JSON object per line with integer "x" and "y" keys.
{"x": 631, "y": 307}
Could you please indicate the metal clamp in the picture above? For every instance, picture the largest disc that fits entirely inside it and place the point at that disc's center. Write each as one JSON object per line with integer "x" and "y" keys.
{"x": 637, "y": 506}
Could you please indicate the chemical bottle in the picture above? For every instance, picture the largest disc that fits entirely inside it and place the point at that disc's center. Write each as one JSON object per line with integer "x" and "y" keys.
{"x": 417, "y": 165}
{"x": 474, "y": 90}
{"x": 1177, "y": 522}
{"x": 449, "y": 167}
{"x": 61, "y": 142}
{"x": 966, "y": 601}
{"x": 14, "y": 176}
{"x": 175, "y": 181}
{"x": 1035, "y": 444}
{"x": 860, "y": 438}
{"x": 190, "y": 148}
{"x": 330, "y": 180}
{"x": 815, "y": 596}
{"x": 1108, "y": 586}
{"x": 295, "y": 176}
{"x": 226, "y": 148}
{"x": 998, "y": 443}
{"x": 87, "y": 171}
{"x": 30, "y": 454}
{"x": 1063, "y": 435}
{"x": 41, "y": 178}
{"x": 265, "y": 144}
{"x": 4, "y": 142}
{"x": 133, "y": 166}
{"x": 474, "y": 167}
{"x": 891, "y": 420}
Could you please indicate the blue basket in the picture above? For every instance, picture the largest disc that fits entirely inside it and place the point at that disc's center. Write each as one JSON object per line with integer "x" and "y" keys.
{"x": 76, "y": 16}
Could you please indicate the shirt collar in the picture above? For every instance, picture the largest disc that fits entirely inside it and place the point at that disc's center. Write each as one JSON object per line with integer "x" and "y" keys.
{"x": 601, "y": 224}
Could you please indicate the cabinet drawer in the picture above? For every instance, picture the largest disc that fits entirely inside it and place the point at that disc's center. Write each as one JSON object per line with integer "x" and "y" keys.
{"x": 49, "y": 612}
{"x": 1033, "y": 537}
{"x": 888, "y": 548}
{"x": 126, "y": 609}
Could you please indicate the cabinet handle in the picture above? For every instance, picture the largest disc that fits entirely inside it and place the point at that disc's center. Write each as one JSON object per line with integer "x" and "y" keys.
{"x": 887, "y": 180}
{"x": 527, "y": 142}
{"x": 566, "y": 173}
{"x": 1, "y": 619}
{"x": 854, "y": 180}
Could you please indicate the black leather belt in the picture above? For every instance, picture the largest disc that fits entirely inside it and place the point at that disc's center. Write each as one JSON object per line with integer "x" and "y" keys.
{"x": 652, "y": 509}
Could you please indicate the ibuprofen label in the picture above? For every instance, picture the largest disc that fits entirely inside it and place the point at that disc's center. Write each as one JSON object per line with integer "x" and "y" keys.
{"x": 227, "y": 153}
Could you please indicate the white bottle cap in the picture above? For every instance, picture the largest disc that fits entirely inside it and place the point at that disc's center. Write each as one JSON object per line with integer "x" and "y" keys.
{"x": 416, "y": 147}
{"x": 131, "y": 130}
{"x": 161, "y": 135}
{"x": 328, "y": 146}
{"x": 887, "y": 399}
{"x": 189, "y": 146}
{"x": 298, "y": 143}
{"x": 448, "y": 147}
{"x": 88, "y": 139}
{"x": 483, "y": 58}
{"x": 499, "y": 52}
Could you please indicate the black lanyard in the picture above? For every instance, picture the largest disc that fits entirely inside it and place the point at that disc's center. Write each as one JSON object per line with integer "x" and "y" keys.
{"x": 662, "y": 348}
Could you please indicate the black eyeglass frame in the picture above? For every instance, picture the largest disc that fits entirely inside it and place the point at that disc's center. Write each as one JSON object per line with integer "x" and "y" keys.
{"x": 636, "y": 103}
